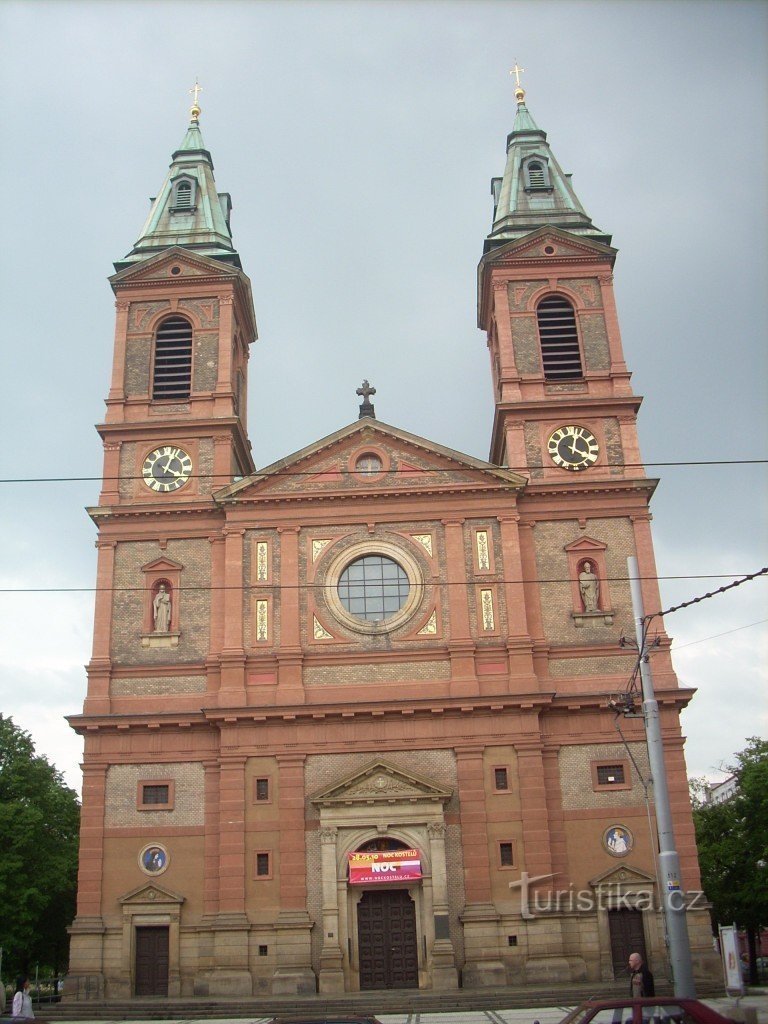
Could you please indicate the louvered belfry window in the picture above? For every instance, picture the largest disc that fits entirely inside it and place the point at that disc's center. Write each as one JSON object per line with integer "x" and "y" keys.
{"x": 559, "y": 339}
{"x": 536, "y": 176}
{"x": 183, "y": 198}
{"x": 173, "y": 360}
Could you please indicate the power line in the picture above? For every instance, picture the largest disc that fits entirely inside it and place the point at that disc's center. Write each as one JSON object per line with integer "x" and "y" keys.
{"x": 266, "y": 586}
{"x": 706, "y": 597}
{"x": 375, "y": 477}
{"x": 716, "y": 636}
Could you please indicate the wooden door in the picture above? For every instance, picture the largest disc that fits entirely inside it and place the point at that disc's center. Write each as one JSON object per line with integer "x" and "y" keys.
{"x": 152, "y": 961}
{"x": 386, "y": 926}
{"x": 627, "y": 937}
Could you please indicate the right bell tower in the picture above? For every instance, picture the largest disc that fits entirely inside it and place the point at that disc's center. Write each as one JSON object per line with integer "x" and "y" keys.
{"x": 563, "y": 400}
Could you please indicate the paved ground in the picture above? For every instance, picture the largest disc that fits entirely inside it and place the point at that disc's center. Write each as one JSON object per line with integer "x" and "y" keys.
{"x": 546, "y": 1015}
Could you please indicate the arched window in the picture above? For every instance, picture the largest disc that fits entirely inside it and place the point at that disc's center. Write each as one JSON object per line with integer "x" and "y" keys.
{"x": 536, "y": 173}
{"x": 560, "y": 354}
{"x": 172, "y": 377}
{"x": 183, "y": 195}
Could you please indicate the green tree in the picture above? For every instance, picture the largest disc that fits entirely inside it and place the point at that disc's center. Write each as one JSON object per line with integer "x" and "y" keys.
{"x": 732, "y": 838}
{"x": 39, "y": 825}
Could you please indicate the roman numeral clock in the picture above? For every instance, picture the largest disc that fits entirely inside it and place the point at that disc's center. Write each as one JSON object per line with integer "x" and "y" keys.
{"x": 167, "y": 469}
{"x": 573, "y": 447}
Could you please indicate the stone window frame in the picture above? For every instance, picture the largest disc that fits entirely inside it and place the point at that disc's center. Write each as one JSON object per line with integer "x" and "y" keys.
{"x": 545, "y": 185}
{"x": 256, "y": 798}
{"x": 496, "y": 787}
{"x": 501, "y": 844}
{"x": 168, "y": 806}
{"x": 263, "y": 876}
{"x": 188, "y": 206}
{"x": 386, "y": 549}
{"x": 603, "y": 762}
{"x": 194, "y": 327}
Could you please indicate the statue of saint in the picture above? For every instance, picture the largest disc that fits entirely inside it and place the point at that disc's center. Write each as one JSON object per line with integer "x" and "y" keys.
{"x": 161, "y": 608}
{"x": 589, "y": 587}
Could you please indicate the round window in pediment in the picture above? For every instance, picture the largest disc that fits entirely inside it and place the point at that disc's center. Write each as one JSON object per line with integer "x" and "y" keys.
{"x": 368, "y": 464}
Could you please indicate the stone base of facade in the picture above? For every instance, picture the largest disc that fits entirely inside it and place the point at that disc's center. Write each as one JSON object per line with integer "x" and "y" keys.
{"x": 223, "y": 982}
{"x": 294, "y": 981}
{"x": 484, "y": 974}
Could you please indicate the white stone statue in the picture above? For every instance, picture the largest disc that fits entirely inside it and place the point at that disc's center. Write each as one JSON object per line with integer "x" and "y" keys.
{"x": 161, "y": 607}
{"x": 589, "y": 587}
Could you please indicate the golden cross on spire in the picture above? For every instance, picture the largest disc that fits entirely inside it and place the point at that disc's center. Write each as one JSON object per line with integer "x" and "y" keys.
{"x": 195, "y": 93}
{"x": 519, "y": 90}
{"x": 517, "y": 71}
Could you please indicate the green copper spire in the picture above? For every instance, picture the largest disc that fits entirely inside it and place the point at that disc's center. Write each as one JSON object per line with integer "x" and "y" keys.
{"x": 188, "y": 211}
{"x": 534, "y": 192}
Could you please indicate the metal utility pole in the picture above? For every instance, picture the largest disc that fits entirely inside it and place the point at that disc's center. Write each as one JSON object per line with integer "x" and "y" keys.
{"x": 672, "y": 896}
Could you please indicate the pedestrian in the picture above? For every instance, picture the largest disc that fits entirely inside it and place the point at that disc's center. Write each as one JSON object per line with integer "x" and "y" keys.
{"x": 640, "y": 978}
{"x": 22, "y": 1001}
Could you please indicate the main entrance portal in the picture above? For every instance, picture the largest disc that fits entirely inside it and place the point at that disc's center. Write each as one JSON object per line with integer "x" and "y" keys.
{"x": 386, "y": 927}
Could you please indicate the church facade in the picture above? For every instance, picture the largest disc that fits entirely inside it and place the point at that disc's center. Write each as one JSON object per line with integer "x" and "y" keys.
{"x": 347, "y": 721}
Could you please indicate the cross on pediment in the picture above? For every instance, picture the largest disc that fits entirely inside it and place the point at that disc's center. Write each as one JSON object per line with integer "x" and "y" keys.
{"x": 365, "y": 391}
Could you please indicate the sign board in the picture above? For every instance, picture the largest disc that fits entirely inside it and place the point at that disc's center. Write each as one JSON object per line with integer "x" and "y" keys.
{"x": 384, "y": 866}
{"x": 729, "y": 950}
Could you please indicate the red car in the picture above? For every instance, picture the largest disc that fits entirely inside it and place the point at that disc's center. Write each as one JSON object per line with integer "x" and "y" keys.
{"x": 658, "y": 1010}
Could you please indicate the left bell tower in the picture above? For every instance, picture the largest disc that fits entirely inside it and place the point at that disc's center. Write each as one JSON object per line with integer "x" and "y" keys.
{"x": 174, "y": 433}
{"x": 175, "y": 426}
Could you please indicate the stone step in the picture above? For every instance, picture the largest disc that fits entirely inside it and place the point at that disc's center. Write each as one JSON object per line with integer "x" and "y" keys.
{"x": 379, "y": 1002}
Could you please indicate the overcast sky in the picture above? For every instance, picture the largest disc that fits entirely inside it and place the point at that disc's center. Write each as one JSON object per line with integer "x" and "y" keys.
{"x": 358, "y": 141}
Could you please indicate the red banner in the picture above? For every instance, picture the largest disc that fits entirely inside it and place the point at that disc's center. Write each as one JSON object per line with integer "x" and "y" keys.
{"x": 389, "y": 866}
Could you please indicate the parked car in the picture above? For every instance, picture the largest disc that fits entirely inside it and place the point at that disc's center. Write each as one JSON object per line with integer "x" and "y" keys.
{"x": 659, "y": 1010}
{"x": 328, "y": 1019}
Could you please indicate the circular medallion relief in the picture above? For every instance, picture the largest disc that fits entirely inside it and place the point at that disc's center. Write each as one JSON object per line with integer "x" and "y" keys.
{"x": 618, "y": 840}
{"x": 153, "y": 859}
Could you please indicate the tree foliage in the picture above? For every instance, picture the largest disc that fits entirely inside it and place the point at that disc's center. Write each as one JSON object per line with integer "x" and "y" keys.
{"x": 39, "y": 825}
{"x": 732, "y": 838}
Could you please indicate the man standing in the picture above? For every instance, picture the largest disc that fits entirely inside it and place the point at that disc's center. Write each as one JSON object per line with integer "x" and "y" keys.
{"x": 640, "y": 978}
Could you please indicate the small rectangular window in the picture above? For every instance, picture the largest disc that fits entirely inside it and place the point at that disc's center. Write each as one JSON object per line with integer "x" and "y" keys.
{"x": 263, "y": 950}
{"x": 500, "y": 779}
{"x": 155, "y": 794}
{"x": 261, "y": 789}
{"x": 506, "y": 855}
{"x": 610, "y": 774}
{"x": 262, "y": 865}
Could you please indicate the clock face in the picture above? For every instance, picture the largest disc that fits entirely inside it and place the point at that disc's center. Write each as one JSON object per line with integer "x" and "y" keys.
{"x": 167, "y": 469}
{"x": 572, "y": 447}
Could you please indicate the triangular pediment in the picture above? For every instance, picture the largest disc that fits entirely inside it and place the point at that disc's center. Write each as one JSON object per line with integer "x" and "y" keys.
{"x": 152, "y": 893}
{"x": 622, "y": 876}
{"x": 408, "y": 463}
{"x": 162, "y": 564}
{"x": 536, "y": 245}
{"x": 381, "y": 782}
{"x": 173, "y": 264}
{"x": 585, "y": 545}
